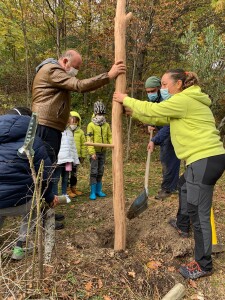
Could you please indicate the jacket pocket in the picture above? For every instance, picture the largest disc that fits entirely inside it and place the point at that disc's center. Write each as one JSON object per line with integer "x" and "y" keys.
{"x": 61, "y": 109}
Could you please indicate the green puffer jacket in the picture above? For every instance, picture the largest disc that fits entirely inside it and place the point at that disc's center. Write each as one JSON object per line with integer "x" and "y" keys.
{"x": 98, "y": 134}
{"x": 79, "y": 137}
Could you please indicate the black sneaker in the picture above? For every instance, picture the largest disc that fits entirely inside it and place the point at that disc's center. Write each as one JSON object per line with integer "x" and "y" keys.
{"x": 173, "y": 223}
{"x": 193, "y": 271}
{"x": 162, "y": 195}
{"x": 59, "y": 226}
{"x": 59, "y": 217}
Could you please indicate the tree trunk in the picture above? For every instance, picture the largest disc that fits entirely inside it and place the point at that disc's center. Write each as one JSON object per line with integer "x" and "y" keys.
{"x": 121, "y": 20}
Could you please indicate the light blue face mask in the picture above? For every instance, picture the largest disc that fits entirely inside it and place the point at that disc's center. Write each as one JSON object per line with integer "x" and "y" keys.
{"x": 165, "y": 94}
{"x": 152, "y": 97}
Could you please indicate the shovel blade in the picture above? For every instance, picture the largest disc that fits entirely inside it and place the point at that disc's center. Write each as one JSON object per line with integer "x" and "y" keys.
{"x": 139, "y": 205}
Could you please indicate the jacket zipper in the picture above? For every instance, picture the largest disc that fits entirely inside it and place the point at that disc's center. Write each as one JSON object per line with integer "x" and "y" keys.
{"x": 102, "y": 138}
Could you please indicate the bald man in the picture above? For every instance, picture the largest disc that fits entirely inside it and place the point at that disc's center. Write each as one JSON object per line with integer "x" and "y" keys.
{"x": 52, "y": 86}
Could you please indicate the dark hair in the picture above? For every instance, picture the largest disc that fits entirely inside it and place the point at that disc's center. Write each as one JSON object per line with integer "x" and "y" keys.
{"x": 76, "y": 119}
{"x": 25, "y": 111}
{"x": 188, "y": 78}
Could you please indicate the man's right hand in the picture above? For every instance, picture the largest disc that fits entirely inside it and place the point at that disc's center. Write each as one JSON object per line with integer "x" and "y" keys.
{"x": 117, "y": 68}
{"x": 54, "y": 202}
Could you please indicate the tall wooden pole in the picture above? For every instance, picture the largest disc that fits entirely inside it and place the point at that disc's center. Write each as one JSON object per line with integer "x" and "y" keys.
{"x": 121, "y": 21}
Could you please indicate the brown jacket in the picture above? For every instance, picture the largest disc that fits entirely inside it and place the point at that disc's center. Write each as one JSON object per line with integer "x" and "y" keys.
{"x": 51, "y": 93}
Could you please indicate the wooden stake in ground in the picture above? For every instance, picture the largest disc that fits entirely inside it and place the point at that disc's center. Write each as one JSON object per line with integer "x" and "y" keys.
{"x": 176, "y": 293}
{"x": 121, "y": 21}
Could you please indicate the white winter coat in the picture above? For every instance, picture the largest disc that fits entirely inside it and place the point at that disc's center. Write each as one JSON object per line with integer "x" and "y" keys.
{"x": 68, "y": 151}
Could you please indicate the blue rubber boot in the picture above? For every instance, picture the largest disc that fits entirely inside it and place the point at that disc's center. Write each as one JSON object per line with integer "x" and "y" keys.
{"x": 99, "y": 191}
{"x": 93, "y": 192}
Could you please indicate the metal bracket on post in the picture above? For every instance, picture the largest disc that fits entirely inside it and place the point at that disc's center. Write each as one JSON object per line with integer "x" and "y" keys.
{"x": 29, "y": 139}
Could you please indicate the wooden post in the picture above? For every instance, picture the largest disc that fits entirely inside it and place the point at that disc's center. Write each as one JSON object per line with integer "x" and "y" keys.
{"x": 121, "y": 21}
{"x": 176, "y": 293}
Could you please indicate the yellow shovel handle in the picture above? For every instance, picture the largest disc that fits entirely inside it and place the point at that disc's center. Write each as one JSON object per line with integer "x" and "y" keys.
{"x": 213, "y": 226}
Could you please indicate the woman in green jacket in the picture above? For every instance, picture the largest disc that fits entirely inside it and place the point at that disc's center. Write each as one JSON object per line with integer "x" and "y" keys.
{"x": 196, "y": 140}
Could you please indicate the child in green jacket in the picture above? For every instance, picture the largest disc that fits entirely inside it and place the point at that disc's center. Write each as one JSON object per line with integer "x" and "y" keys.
{"x": 98, "y": 131}
{"x": 79, "y": 139}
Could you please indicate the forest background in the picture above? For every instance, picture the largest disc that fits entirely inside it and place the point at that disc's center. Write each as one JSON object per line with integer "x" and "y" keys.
{"x": 162, "y": 34}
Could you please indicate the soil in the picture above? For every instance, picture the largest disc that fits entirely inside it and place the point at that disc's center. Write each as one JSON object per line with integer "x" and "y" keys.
{"x": 84, "y": 264}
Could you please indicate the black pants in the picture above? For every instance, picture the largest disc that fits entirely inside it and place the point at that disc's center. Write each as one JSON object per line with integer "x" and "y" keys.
{"x": 195, "y": 200}
{"x": 52, "y": 140}
{"x": 73, "y": 176}
{"x": 170, "y": 166}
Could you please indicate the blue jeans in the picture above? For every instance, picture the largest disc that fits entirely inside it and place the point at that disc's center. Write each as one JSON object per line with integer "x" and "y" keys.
{"x": 60, "y": 171}
{"x": 52, "y": 140}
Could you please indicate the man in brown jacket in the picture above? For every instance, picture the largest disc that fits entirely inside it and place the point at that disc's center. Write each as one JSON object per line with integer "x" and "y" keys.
{"x": 51, "y": 95}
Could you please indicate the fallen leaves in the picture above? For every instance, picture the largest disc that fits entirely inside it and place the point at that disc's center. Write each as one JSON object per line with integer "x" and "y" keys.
{"x": 132, "y": 274}
{"x": 154, "y": 264}
{"x": 171, "y": 269}
{"x": 106, "y": 298}
{"x": 100, "y": 284}
{"x": 198, "y": 296}
{"x": 88, "y": 286}
{"x": 193, "y": 284}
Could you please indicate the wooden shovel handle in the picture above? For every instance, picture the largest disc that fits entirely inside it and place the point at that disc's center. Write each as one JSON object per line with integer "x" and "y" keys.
{"x": 147, "y": 167}
{"x": 99, "y": 145}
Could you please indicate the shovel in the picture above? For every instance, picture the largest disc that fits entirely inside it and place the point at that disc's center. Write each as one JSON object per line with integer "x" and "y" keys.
{"x": 216, "y": 248}
{"x": 140, "y": 204}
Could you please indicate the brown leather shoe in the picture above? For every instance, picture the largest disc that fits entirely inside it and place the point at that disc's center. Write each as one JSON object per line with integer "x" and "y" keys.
{"x": 75, "y": 191}
{"x": 70, "y": 193}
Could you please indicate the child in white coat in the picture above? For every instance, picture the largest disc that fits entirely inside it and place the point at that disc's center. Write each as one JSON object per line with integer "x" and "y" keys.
{"x": 67, "y": 157}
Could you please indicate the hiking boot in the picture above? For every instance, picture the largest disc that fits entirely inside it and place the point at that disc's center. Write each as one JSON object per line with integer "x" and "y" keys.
{"x": 162, "y": 195}
{"x": 59, "y": 226}
{"x": 70, "y": 193}
{"x": 75, "y": 191}
{"x": 59, "y": 217}
{"x": 193, "y": 271}
{"x": 173, "y": 223}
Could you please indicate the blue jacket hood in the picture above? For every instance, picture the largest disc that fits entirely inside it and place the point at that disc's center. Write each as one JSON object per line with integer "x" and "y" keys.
{"x": 16, "y": 183}
{"x": 13, "y": 127}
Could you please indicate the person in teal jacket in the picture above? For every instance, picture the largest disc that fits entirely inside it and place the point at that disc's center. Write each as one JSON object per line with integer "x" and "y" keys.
{"x": 98, "y": 131}
{"x": 196, "y": 140}
{"x": 79, "y": 139}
